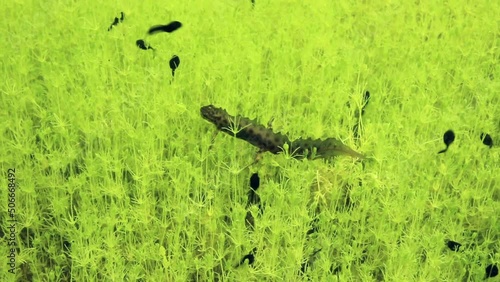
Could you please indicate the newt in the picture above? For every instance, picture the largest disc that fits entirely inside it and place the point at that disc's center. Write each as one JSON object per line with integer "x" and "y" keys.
{"x": 274, "y": 142}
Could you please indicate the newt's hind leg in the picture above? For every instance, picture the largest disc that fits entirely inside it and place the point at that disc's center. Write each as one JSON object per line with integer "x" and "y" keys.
{"x": 258, "y": 157}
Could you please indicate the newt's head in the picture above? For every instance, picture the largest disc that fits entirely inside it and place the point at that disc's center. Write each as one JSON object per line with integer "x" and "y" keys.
{"x": 217, "y": 116}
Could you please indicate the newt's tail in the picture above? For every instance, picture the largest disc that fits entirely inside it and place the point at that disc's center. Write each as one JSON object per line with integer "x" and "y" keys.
{"x": 332, "y": 147}
{"x": 317, "y": 148}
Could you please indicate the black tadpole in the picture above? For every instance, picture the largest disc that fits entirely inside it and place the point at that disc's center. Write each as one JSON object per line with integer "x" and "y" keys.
{"x": 255, "y": 181}
{"x": 171, "y": 27}
{"x": 174, "y": 63}
{"x": 448, "y": 138}
{"x": 250, "y": 257}
{"x": 366, "y": 99}
{"x": 486, "y": 138}
{"x": 491, "y": 271}
{"x": 142, "y": 45}
{"x": 116, "y": 21}
{"x": 253, "y": 197}
{"x": 454, "y": 246}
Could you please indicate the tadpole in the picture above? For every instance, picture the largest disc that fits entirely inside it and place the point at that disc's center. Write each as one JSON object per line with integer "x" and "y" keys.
{"x": 491, "y": 271}
{"x": 486, "y": 138}
{"x": 171, "y": 27}
{"x": 448, "y": 138}
{"x": 174, "y": 63}
{"x": 116, "y": 21}
{"x": 454, "y": 246}
{"x": 142, "y": 45}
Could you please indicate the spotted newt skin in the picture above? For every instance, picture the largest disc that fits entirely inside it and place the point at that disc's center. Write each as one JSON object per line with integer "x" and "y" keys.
{"x": 268, "y": 141}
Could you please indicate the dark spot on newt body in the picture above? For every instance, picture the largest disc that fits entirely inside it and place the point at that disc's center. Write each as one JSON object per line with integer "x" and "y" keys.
{"x": 269, "y": 143}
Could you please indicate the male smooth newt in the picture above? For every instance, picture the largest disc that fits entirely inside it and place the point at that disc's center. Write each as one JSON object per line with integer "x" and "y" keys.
{"x": 268, "y": 141}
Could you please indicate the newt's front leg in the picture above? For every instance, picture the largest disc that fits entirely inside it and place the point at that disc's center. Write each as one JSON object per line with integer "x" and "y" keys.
{"x": 258, "y": 155}
{"x": 270, "y": 123}
{"x": 213, "y": 139}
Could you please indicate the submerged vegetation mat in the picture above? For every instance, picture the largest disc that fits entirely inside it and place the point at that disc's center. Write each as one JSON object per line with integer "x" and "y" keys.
{"x": 110, "y": 173}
